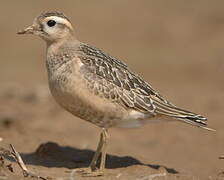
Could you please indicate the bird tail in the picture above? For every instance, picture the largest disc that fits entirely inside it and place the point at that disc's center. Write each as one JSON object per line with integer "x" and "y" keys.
{"x": 188, "y": 117}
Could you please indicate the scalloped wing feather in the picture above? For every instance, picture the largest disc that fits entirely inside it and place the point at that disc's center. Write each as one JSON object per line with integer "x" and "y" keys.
{"x": 110, "y": 78}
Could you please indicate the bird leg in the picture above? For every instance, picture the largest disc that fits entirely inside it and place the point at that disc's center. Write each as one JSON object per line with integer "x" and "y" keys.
{"x": 97, "y": 153}
{"x": 101, "y": 150}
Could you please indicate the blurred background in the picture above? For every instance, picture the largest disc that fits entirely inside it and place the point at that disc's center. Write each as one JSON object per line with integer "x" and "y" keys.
{"x": 177, "y": 46}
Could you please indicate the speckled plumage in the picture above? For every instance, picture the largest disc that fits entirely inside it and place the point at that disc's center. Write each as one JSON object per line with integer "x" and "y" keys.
{"x": 97, "y": 87}
{"x": 109, "y": 79}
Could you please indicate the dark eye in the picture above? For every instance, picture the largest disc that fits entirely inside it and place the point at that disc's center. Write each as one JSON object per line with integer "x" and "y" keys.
{"x": 51, "y": 23}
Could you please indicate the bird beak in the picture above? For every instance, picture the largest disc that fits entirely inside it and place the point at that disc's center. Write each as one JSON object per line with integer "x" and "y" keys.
{"x": 28, "y": 30}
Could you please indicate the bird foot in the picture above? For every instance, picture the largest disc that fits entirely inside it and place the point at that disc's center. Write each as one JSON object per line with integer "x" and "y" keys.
{"x": 87, "y": 172}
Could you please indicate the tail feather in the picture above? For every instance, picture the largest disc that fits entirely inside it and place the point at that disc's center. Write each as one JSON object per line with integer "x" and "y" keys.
{"x": 180, "y": 114}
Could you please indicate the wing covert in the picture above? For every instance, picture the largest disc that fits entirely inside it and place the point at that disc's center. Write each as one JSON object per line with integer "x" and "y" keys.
{"x": 110, "y": 78}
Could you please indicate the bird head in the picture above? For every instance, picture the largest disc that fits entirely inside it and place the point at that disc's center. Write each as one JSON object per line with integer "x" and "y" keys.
{"x": 50, "y": 26}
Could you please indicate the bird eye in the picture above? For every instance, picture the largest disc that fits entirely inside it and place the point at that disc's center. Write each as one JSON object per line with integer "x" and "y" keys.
{"x": 51, "y": 23}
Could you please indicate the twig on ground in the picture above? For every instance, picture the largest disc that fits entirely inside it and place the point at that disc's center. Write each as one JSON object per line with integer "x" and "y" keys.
{"x": 15, "y": 155}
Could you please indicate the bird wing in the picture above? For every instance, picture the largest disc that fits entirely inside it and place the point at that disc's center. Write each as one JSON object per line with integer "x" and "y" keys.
{"x": 110, "y": 78}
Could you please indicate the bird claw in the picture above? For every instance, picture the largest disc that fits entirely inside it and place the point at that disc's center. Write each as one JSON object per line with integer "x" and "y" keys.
{"x": 87, "y": 172}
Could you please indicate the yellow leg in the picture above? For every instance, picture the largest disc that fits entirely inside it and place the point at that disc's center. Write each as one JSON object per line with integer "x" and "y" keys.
{"x": 101, "y": 150}
{"x": 97, "y": 153}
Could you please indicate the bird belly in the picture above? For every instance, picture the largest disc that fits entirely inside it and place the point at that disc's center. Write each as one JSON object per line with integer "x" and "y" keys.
{"x": 134, "y": 119}
{"x": 73, "y": 95}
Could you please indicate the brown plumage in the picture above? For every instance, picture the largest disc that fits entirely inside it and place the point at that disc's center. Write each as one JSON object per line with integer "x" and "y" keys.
{"x": 97, "y": 87}
{"x": 113, "y": 79}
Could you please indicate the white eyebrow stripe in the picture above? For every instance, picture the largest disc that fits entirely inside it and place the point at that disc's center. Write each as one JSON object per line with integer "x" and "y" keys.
{"x": 59, "y": 20}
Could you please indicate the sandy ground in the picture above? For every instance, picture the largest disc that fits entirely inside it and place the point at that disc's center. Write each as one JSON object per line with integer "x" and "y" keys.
{"x": 175, "y": 45}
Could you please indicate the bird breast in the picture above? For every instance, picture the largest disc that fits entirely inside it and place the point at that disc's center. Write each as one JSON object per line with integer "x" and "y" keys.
{"x": 70, "y": 90}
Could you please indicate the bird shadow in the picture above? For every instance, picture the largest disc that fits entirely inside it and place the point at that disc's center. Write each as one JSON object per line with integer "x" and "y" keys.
{"x": 51, "y": 154}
